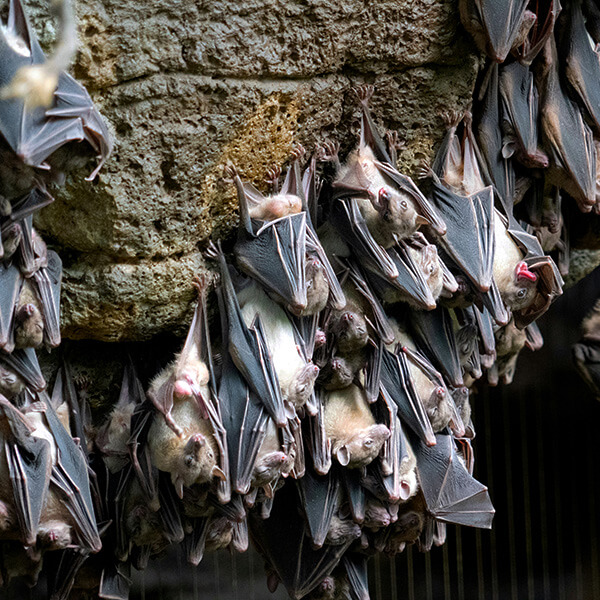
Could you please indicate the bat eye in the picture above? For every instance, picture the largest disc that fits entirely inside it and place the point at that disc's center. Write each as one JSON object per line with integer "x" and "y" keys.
{"x": 404, "y": 204}
{"x": 465, "y": 349}
{"x": 432, "y": 268}
{"x": 188, "y": 461}
{"x": 368, "y": 443}
{"x": 521, "y": 293}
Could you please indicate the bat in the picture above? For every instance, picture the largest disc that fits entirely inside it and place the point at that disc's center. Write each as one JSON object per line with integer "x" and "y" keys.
{"x": 495, "y": 168}
{"x": 535, "y": 37}
{"x": 581, "y": 62}
{"x": 585, "y": 351}
{"x": 21, "y": 369}
{"x": 519, "y": 100}
{"x": 451, "y": 494}
{"x": 27, "y": 471}
{"x": 318, "y": 443}
{"x": 11, "y": 282}
{"x": 391, "y": 204}
{"x": 355, "y": 566}
{"x": 247, "y": 346}
{"x": 572, "y": 157}
{"x": 495, "y": 26}
{"x": 467, "y": 340}
{"x": 302, "y": 569}
{"x": 408, "y": 526}
{"x": 469, "y": 240}
{"x": 592, "y": 18}
{"x": 69, "y": 502}
{"x": 36, "y": 134}
{"x": 296, "y": 376}
{"x": 356, "y": 438}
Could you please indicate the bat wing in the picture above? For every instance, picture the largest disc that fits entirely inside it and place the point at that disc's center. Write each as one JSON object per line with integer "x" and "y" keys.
{"x": 347, "y": 219}
{"x": 287, "y": 546}
{"x": 354, "y": 492}
{"x": 546, "y": 13}
{"x": 369, "y": 136}
{"x": 486, "y": 330}
{"x": 29, "y": 464}
{"x": 146, "y": 474}
{"x": 70, "y": 474}
{"x": 195, "y": 541}
{"x": 451, "y": 494}
{"x": 336, "y": 294}
{"x": 519, "y": 101}
{"x": 535, "y": 341}
{"x": 410, "y": 281}
{"x": 380, "y": 320}
{"x": 397, "y": 386}
{"x": 434, "y": 334}
{"x": 407, "y": 185}
{"x": 25, "y": 364}
{"x": 567, "y": 137}
{"x": 318, "y": 498}
{"x": 245, "y": 419}
{"x": 586, "y": 355}
{"x": 356, "y": 569}
{"x": 63, "y": 572}
{"x": 276, "y": 258}
{"x": 498, "y": 21}
{"x": 169, "y": 509}
{"x": 448, "y": 156}
{"x": 115, "y": 581}
{"x": 11, "y": 283}
{"x": 492, "y": 302}
{"x": 496, "y": 170}
{"x": 48, "y": 281}
{"x": 469, "y": 240}
{"x": 31, "y": 202}
{"x": 248, "y": 348}
{"x": 318, "y": 444}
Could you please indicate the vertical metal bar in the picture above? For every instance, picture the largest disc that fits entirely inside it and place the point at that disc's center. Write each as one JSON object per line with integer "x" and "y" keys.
{"x": 558, "y": 514}
{"x": 489, "y": 469}
{"x": 594, "y": 556}
{"x": 506, "y": 423}
{"x": 446, "y": 564}
{"x": 217, "y": 581}
{"x": 393, "y": 578}
{"x": 526, "y": 499}
{"x": 252, "y": 575}
{"x": 460, "y": 578}
{"x": 410, "y": 574}
{"x": 480, "y": 567}
{"x": 428, "y": 577}
{"x": 378, "y": 594}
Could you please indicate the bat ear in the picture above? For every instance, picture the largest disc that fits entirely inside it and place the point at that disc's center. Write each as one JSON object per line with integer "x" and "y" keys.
{"x": 219, "y": 473}
{"x": 405, "y": 490}
{"x": 343, "y": 455}
{"x": 178, "y": 483}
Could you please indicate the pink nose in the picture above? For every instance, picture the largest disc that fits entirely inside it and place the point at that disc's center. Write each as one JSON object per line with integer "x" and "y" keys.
{"x": 522, "y": 272}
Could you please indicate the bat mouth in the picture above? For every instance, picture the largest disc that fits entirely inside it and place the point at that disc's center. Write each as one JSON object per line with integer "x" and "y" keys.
{"x": 522, "y": 272}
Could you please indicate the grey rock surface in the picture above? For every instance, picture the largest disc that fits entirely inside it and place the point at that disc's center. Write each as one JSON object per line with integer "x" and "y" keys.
{"x": 187, "y": 86}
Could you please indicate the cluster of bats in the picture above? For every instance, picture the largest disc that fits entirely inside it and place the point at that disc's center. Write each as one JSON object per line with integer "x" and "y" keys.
{"x": 329, "y": 417}
{"x": 48, "y": 127}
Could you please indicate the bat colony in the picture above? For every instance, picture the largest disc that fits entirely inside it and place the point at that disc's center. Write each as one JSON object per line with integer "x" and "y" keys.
{"x": 334, "y": 422}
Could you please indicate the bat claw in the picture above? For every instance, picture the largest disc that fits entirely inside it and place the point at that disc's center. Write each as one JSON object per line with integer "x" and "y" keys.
{"x": 425, "y": 171}
{"x": 328, "y": 151}
{"x": 230, "y": 171}
{"x": 364, "y": 93}
{"x": 298, "y": 153}
{"x": 272, "y": 177}
{"x": 451, "y": 118}
{"x": 394, "y": 140}
{"x": 200, "y": 282}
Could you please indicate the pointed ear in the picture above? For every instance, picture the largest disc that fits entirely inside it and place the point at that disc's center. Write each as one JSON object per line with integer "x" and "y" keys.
{"x": 268, "y": 490}
{"x": 178, "y": 483}
{"x": 219, "y": 473}
{"x": 422, "y": 220}
{"x": 343, "y": 455}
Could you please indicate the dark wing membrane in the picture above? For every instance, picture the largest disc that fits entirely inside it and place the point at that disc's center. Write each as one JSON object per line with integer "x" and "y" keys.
{"x": 349, "y": 223}
{"x": 318, "y": 498}
{"x": 354, "y": 492}
{"x": 48, "y": 281}
{"x": 567, "y": 137}
{"x": 451, "y": 494}
{"x": 245, "y": 419}
{"x": 488, "y": 132}
{"x": 410, "y": 281}
{"x": 358, "y": 576}
{"x": 397, "y": 386}
{"x": 25, "y": 364}
{"x": 71, "y": 475}
{"x": 546, "y": 13}
{"x": 519, "y": 100}
{"x": 318, "y": 444}
{"x": 28, "y": 204}
{"x": 248, "y": 348}
{"x": 11, "y": 283}
{"x": 276, "y": 258}
{"x": 434, "y": 334}
{"x": 283, "y": 541}
{"x": 29, "y": 463}
{"x": 469, "y": 239}
{"x": 406, "y": 184}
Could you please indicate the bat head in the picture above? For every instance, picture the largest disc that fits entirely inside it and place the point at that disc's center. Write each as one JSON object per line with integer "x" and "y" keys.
{"x": 351, "y": 331}
{"x": 29, "y": 329}
{"x": 277, "y": 206}
{"x": 317, "y": 286}
{"x": 268, "y": 468}
{"x": 10, "y": 382}
{"x": 304, "y": 384}
{"x": 362, "y": 448}
{"x": 195, "y": 463}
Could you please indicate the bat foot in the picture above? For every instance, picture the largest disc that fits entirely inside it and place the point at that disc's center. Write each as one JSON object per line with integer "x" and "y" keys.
{"x": 297, "y": 153}
{"x": 328, "y": 152}
{"x": 393, "y": 140}
{"x": 425, "y": 171}
{"x": 272, "y": 177}
{"x": 364, "y": 93}
{"x": 200, "y": 283}
{"x": 230, "y": 171}
{"x": 452, "y": 118}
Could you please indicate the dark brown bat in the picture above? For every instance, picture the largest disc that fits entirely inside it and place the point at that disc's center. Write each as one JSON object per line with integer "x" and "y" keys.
{"x": 572, "y": 156}
{"x": 35, "y": 134}
{"x": 520, "y": 103}
{"x": 545, "y": 13}
{"x": 496, "y": 26}
{"x": 586, "y": 353}
{"x": 580, "y": 61}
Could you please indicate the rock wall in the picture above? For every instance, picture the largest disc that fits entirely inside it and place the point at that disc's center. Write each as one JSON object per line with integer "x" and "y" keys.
{"x": 188, "y": 85}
